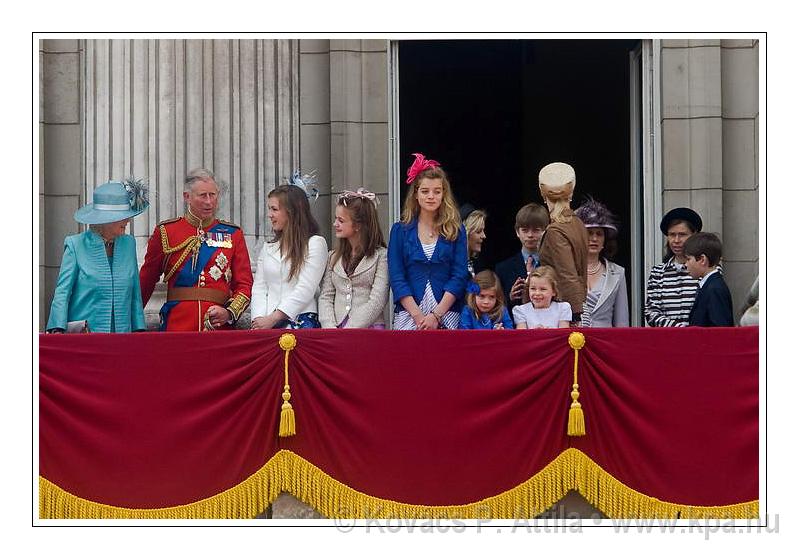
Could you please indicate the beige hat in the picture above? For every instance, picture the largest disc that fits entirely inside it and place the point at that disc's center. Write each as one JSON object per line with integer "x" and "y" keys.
{"x": 557, "y": 181}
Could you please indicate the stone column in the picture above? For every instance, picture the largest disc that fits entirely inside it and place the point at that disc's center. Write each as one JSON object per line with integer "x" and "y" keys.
{"x": 692, "y": 128}
{"x": 60, "y": 181}
{"x": 740, "y": 117}
{"x": 710, "y": 145}
{"x": 344, "y": 120}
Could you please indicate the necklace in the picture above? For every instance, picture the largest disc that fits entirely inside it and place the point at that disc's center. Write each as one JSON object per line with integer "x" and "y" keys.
{"x": 430, "y": 234}
{"x": 596, "y": 269}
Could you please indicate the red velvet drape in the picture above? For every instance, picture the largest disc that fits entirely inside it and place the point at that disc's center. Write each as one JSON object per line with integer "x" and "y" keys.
{"x": 436, "y": 418}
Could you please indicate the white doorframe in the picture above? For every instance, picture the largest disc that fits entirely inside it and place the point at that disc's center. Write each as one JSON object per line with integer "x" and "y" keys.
{"x": 394, "y": 131}
{"x": 651, "y": 157}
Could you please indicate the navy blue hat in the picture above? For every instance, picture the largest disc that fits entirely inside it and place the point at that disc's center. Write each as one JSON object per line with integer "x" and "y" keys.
{"x": 113, "y": 202}
{"x": 685, "y": 214}
{"x": 465, "y": 210}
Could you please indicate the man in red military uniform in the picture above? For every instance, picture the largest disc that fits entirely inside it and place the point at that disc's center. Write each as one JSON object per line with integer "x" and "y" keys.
{"x": 204, "y": 262}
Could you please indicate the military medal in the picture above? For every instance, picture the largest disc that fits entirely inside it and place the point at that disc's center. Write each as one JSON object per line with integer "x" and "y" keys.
{"x": 220, "y": 240}
{"x": 222, "y": 261}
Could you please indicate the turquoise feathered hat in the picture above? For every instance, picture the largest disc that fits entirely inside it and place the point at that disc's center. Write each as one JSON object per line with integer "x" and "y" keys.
{"x": 114, "y": 201}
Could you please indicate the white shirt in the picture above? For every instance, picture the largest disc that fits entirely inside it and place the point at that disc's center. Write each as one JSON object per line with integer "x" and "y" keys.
{"x": 272, "y": 288}
{"x": 705, "y": 277}
{"x": 547, "y": 317}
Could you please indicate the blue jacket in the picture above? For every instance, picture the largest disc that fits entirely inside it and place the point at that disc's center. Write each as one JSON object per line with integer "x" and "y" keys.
{"x": 712, "y": 304}
{"x": 410, "y": 271}
{"x": 468, "y": 320}
{"x": 88, "y": 289}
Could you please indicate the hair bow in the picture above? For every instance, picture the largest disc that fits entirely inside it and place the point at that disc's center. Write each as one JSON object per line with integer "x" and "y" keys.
{"x": 420, "y": 164}
{"x": 137, "y": 192}
{"x": 306, "y": 182}
{"x": 473, "y": 288}
{"x": 360, "y": 193}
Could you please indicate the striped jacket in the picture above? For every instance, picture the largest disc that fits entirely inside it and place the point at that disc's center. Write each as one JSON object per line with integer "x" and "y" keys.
{"x": 670, "y": 295}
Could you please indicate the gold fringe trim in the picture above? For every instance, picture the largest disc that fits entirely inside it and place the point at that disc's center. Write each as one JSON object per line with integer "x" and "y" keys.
{"x": 244, "y": 501}
{"x": 288, "y": 472}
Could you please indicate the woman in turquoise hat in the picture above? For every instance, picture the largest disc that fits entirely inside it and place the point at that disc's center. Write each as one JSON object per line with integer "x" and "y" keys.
{"x": 99, "y": 277}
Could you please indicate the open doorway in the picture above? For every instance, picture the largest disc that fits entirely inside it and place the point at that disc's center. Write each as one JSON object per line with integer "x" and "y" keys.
{"x": 495, "y": 111}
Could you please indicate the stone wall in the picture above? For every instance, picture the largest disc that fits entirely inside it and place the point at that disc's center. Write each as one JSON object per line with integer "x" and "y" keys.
{"x": 60, "y": 192}
{"x": 344, "y": 122}
{"x": 710, "y": 145}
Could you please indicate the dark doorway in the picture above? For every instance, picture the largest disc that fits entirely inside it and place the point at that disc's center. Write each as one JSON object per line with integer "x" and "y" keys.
{"x": 495, "y": 112}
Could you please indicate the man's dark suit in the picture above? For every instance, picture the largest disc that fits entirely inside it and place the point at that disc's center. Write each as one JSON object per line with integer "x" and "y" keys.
{"x": 712, "y": 304}
{"x": 508, "y": 271}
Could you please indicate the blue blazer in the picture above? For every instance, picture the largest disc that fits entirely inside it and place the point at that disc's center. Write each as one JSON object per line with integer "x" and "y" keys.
{"x": 410, "y": 270}
{"x": 712, "y": 304}
{"x": 88, "y": 289}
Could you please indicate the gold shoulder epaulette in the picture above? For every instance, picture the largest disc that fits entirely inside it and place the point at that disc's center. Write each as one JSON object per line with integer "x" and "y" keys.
{"x": 175, "y": 219}
{"x": 227, "y": 223}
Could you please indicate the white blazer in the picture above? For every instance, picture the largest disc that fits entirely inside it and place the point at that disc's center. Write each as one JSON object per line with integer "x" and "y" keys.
{"x": 272, "y": 289}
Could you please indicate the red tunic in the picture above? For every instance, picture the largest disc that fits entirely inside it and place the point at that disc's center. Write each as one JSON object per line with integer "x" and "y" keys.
{"x": 203, "y": 265}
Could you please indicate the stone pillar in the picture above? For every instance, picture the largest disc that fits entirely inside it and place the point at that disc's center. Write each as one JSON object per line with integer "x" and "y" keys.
{"x": 344, "y": 120}
{"x": 710, "y": 145}
{"x": 60, "y": 181}
{"x": 740, "y": 117}
{"x": 692, "y": 128}
{"x": 315, "y": 124}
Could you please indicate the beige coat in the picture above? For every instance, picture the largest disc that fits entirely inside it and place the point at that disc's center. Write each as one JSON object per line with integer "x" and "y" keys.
{"x": 363, "y": 295}
{"x": 565, "y": 247}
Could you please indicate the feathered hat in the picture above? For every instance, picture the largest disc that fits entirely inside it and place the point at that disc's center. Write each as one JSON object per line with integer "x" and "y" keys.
{"x": 114, "y": 201}
{"x": 595, "y": 214}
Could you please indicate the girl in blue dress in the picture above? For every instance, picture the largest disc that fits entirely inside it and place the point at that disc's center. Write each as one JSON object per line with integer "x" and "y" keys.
{"x": 485, "y": 308}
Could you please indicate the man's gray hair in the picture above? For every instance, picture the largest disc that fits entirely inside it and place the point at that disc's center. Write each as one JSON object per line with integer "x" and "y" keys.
{"x": 199, "y": 174}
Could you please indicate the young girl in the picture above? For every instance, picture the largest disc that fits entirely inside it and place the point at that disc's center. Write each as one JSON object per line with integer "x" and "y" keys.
{"x": 485, "y": 308}
{"x": 355, "y": 287}
{"x": 291, "y": 265}
{"x": 428, "y": 253}
{"x": 541, "y": 312}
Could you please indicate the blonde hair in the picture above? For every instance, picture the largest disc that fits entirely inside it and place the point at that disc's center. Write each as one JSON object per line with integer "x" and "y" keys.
{"x": 447, "y": 219}
{"x": 488, "y": 280}
{"x": 546, "y": 272}
{"x": 475, "y": 221}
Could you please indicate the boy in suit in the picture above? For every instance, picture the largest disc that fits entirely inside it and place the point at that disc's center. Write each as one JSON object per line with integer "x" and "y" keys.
{"x": 712, "y": 305}
{"x": 530, "y": 223}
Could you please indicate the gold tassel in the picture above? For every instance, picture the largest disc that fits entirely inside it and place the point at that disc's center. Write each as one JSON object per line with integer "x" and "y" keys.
{"x": 575, "y": 424}
{"x": 287, "y": 425}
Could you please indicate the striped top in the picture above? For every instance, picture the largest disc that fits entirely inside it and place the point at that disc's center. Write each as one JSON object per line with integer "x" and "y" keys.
{"x": 670, "y": 295}
{"x": 592, "y": 296}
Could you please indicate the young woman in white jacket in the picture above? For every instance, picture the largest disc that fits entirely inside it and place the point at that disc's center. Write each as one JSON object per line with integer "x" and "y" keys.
{"x": 290, "y": 266}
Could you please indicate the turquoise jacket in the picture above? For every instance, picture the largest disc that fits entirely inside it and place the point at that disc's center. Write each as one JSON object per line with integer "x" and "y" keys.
{"x": 88, "y": 289}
